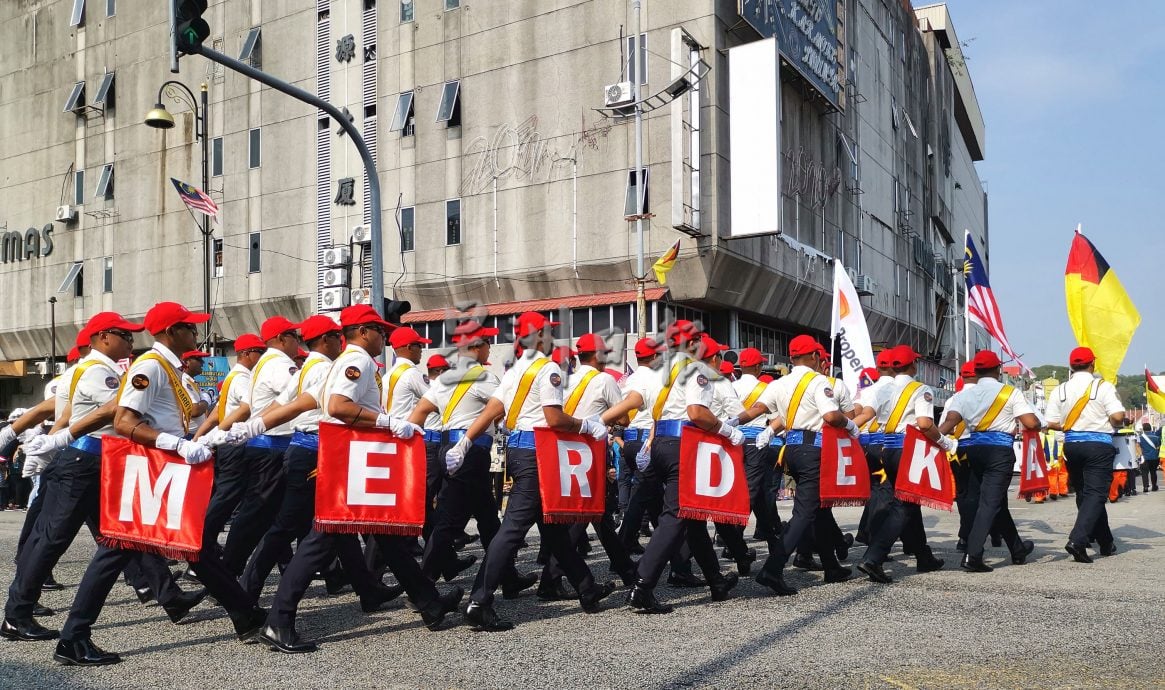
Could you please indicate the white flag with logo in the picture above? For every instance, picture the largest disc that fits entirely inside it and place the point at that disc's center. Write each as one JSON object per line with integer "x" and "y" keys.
{"x": 848, "y": 325}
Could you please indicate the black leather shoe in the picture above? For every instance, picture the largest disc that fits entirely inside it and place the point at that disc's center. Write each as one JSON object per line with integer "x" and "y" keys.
{"x": 744, "y": 564}
{"x": 874, "y": 572}
{"x": 41, "y": 611}
{"x": 485, "y": 619}
{"x": 379, "y": 597}
{"x": 725, "y": 555}
{"x": 178, "y": 609}
{"x": 803, "y": 562}
{"x": 996, "y": 540}
{"x": 458, "y": 566}
{"x": 191, "y": 575}
{"x": 636, "y": 549}
{"x": 1021, "y": 557}
{"x": 685, "y": 580}
{"x": 927, "y": 563}
{"x": 446, "y": 604}
{"x": 415, "y": 549}
{"x": 838, "y": 574}
{"x": 1108, "y": 549}
{"x": 462, "y": 540}
{"x": 285, "y": 640}
{"x": 513, "y": 589}
{"x": 722, "y": 587}
{"x": 847, "y": 541}
{"x": 83, "y": 653}
{"x": 248, "y": 624}
{"x": 643, "y": 600}
{"x": 973, "y": 564}
{"x": 334, "y": 581}
{"x": 961, "y": 546}
{"x": 145, "y": 594}
{"x": 27, "y": 630}
{"x": 775, "y": 583}
{"x": 51, "y": 585}
{"x": 590, "y": 600}
{"x": 1079, "y": 553}
{"x": 555, "y": 590}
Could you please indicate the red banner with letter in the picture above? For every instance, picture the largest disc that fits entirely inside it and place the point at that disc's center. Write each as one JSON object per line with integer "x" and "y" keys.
{"x": 572, "y": 476}
{"x": 924, "y": 472}
{"x": 1033, "y": 467}
{"x": 369, "y": 482}
{"x": 845, "y": 476}
{"x": 151, "y": 500}
{"x": 712, "y": 480}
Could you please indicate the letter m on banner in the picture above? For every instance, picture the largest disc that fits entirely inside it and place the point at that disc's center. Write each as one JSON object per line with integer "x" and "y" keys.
{"x": 572, "y": 476}
{"x": 712, "y": 481}
{"x": 151, "y": 500}
{"x": 369, "y": 481}
{"x": 924, "y": 473}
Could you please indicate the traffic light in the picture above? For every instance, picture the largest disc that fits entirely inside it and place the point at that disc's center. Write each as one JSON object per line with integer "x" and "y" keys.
{"x": 190, "y": 29}
{"x": 395, "y": 309}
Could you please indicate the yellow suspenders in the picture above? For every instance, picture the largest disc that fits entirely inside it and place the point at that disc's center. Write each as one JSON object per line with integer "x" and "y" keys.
{"x": 577, "y": 394}
{"x": 798, "y": 394}
{"x": 259, "y": 367}
{"x": 900, "y": 407}
{"x": 78, "y": 373}
{"x": 185, "y": 404}
{"x": 397, "y": 372}
{"x": 224, "y": 393}
{"x": 996, "y": 407}
{"x": 471, "y": 377}
{"x": 754, "y": 395}
{"x": 1078, "y": 408}
{"x": 524, "y": 386}
{"x": 303, "y": 375}
{"x": 672, "y": 375}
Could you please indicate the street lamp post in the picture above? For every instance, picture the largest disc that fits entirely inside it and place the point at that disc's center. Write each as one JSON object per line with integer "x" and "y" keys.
{"x": 160, "y": 118}
{"x": 53, "y": 335}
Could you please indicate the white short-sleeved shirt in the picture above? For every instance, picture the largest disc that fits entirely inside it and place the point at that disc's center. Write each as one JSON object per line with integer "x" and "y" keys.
{"x": 546, "y": 390}
{"x": 744, "y": 386}
{"x": 973, "y": 405}
{"x": 1104, "y": 402}
{"x": 441, "y": 390}
{"x": 647, "y": 382}
{"x": 195, "y": 393}
{"x": 409, "y": 389}
{"x": 237, "y": 392}
{"x": 953, "y": 403}
{"x": 921, "y": 403}
{"x": 877, "y": 397}
{"x": 845, "y": 401}
{"x": 354, "y": 376}
{"x": 309, "y": 379}
{"x": 268, "y": 379}
{"x": 97, "y": 385}
{"x": 601, "y": 394}
{"x": 725, "y": 402}
{"x": 817, "y": 401}
{"x": 148, "y": 392}
{"x": 58, "y": 389}
{"x": 681, "y": 394}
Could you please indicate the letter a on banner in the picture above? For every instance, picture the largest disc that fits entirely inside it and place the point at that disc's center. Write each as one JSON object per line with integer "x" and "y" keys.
{"x": 924, "y": 473}
{"x": 712, "y": 482}
{"x": 369, "y": 481}
{"x": 572, "y": 476}
{"x": 845, "y": 476}
{"x": 1033, "y": 475}
{"x": 151, "y": 500}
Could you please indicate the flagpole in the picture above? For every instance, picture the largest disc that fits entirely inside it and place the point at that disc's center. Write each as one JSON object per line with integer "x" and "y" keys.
{"x": 833, "y": 318}
{"x": 966, "y": 307}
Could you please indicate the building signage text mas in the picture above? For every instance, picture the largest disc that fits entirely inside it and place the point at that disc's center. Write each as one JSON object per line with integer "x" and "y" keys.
{"x": 806, "y": 32}
{"x": 31, "y": 244}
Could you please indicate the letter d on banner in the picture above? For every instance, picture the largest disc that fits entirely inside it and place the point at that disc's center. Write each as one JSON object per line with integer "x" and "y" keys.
{"x": 707, "y": 455}
{"x": 709, "y": 467}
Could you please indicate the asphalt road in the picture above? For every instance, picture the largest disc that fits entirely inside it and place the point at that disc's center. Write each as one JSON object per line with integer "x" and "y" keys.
{"x": 1051, "y": 623}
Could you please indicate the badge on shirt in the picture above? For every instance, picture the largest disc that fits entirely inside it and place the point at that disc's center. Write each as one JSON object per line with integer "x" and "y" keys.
{"x": 111, "y": 383}
{"x": 828, "y": 392}
{"x": 292, "y": 370}
{"x": 701, "y": 380}
{"x": 426, "y": 379}
{"x": 352, "y": 373}
{"x": 928, "y": 397}
{"x": 555, "y": 380}
{"x": 140, "y": 382}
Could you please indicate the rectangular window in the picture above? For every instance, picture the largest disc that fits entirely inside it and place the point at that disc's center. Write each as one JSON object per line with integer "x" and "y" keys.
{"x": 452, "y": 4}
{"x": 406, "y": 229}
{"x": 105, "y": 183}
{"x": 636, "y": 202}
{"x": 403, "y": 116}
{"x": 406, "y": 11}
{"x": 78, "y": 187}
{"x": 254, "y": 148}
{"x": 218, "y": 258}
{"x": 110, "y": 8}
{"x": 253, "y": 263}
{"x": 70, "y": 277}
{"x": 622, "y": 316}
{"x": 216, "y": 157}
{"x": 453, "y": 222}
{"x": 910, "y": 123}
{"x": 104, "y": 97}
{"x": 252, "y": 47}
{"x": 107, "y": 275}
{"x": 76, "y": 98}
{"x": 894, "y": 118}
{"x": 79, "y": 281}
{"x": 77, "y": 18}
{"x": 600, "y": 319}
{"x": 450, "y": 110}
{"x": 580, "y": 321}
{"x": 637, "y": 59}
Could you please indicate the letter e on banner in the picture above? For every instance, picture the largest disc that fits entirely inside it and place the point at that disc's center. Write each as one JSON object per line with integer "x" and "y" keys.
{"x": 845, "y": 475}
{"x": 1033, "y": 476}
{"x": 924, "y": 473}
{"x": 712, "y": 485}
{"x": 572, "y": 476}
{"x": 360, "y": 473}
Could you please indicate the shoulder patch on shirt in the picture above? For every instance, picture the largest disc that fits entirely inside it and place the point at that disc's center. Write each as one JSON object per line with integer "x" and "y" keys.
{"x": 928, "y": 397}
{"x": 140, "y": 382}
{"x": 555, "y": 380}
{"x": 111, "y": 382}
{"x": 426, "y": 379}
{"x": 828, "y": 392}
{"x": 701, "y": 380}
{"x": 352, "y": 373}
{"x": 53, "y": 389}
{"x": 292, "y": 370}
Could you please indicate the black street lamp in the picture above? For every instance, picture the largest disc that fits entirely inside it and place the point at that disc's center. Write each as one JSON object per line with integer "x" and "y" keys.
{"x": 53, "y": 331}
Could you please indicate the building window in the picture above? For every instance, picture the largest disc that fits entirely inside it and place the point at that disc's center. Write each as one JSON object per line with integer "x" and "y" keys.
{"x": 636, "y": 202}
{"x": 107, "y": 274}
{"x": 253, "y": 263}
{"x": 406, "y": 229}
{"x": 252, "y": 47}
{"x": 76, "y": 98}
{"x": 402, "y": 119}
{"x": 453, "y": 222}
{"x": 452, "y": 4}
{"x": 104, "y": 97}
{"x": 637, "y": 59}
{"x": 218, "y": 258}
{"x": 79, "y": 281}
{"x": 255, "y": 148}
{"x": 105, "y": 182}
{"x": 406, "y": 11}
{"x": 894, "y": 117}
{"x": 450, "y": 110}
{"x": 77, "y": 18}
{"x": 110, "y": 8}
{"x": 78, "y": 187}
{"x": 216, "y": 157}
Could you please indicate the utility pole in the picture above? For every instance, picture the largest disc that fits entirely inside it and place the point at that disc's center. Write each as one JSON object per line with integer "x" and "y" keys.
{"x": 640, "y": 192}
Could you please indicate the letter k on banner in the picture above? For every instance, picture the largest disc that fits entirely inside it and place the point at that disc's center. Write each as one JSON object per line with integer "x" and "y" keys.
{"x": 572, "y": 476}
{"x": 924, "y": 473}
{"x": 712, "y": 481}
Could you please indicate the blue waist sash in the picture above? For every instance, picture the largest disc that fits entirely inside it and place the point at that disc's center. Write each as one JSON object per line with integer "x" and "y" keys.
{"x": 989, "y": 438}
{"x": 432, "y": 436}
{"x": 798, "y": 437}
{"x": 751, "y": 432}
{"x": 455, "y": 435}
{"x": 871, "y": 439}
{"x": 1087, "y": 437}
{"x": 303, "y": 439}
{"x": 893, "y": 440}
{"x": 270, "y": 442}
{"x": 87, "y": 444}
{"x": 521, "y": 439}
{"x": 669, "y": 427}
{"x": 636, "y": 434}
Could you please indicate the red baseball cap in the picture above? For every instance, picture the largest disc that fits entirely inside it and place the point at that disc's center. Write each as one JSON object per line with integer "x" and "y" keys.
{"x": 317, "y": 325}
{"x": 960, "y": 384}
{"x": 803, "y": 345}
{"x": 361, "y": 314}
{"x": 750, "y": 357}
{"x": 968, "y": 369}
{"x": 469, "y": 331}
{"x": 868, "y": 376}
{"x": 591, "y": 342}
{"x": 882, "y": 359}
{"x": 561, "y": 353}
{"x": 726, "y": 368}
{"x": 249, "y": 341}
{"x": 532, "y": 322}
{"x": 82, "y": 338}
{"x": 73, "y": 356}
{"x": 105, "y": 321}
{"x": 645, "y": 348}
{"x": 301, "y": 353}
{"x": 825, "y": 356}
{"x": 986, "y": 359}
{"x": 1081, "y": 356}
{"x": 276, "y": 326}
{"x": 437, "y": 362}
{"x": 765, "y": 378}
{"x": 903, "y": 356}
{"x": 710, "y": 346}
{"x": 195, "y": 354}
{"x": 405, "y": 336}
{"x": 163, "y": 315}
{"x": 682, "y": 331}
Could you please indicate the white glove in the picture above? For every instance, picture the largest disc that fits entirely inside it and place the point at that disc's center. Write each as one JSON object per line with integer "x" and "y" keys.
{"x": 193, "y": 452}
{"x": 765, "y": 437}
{"x": 214, "y": 438}
{"x": 7, "y": 435}
{"x": 643, "y": 457}
{"x": 456, "y": 455}
{"x": 735, "y": 436}
{"x": 732, "y": 421}
{"x": 593, "y": 427}
{"x": 401, "y": 428}
{"x": 47, "y": 443}
{"x": 167, "y": 442}
{"x": 852, "y": 429}
{"x": 241, "y": 432}
{"x": 948, "y": 444}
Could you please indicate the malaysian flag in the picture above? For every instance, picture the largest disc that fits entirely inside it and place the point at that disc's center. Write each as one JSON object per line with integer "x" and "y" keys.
{"x": 195, "y": 199}
{"x": 981, "y": 305}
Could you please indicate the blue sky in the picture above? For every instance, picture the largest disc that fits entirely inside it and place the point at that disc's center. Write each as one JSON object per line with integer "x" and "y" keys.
{"x": 1072, "y": 98}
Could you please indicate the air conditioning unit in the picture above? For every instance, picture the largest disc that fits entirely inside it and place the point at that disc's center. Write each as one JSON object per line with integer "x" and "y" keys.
{"x": 853, "y": 275}
{"x": 333, "y": 299}
{"x": 864, "y": 285}
{"x": 66, "y": 214}
{"x": 336, "y": 256}
{"x": 618, "y": 95}
{"x": 336, "y": 277}
{"x": 61, "y": 367}
{"x": 361, "y": 296}
{"x": 42, "y": 368}
{"x": 362, "y": 233}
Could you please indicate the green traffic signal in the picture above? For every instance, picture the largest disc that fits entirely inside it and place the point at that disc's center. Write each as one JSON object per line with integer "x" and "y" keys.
{"x": 191, "y": 29}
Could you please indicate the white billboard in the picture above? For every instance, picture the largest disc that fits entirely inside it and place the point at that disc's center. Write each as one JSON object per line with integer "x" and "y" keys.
{"x": 754, "y": 117}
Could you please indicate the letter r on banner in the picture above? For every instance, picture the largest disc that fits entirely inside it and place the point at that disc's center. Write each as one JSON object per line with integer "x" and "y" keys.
{"x": 706, "y": 455}
{"x": 360, "y": 472}
{"x": 925, "y": 460}
{"x": 569, "y": 472}
{"x": 845, "y": 459}
{"x": 136, "y": 481}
